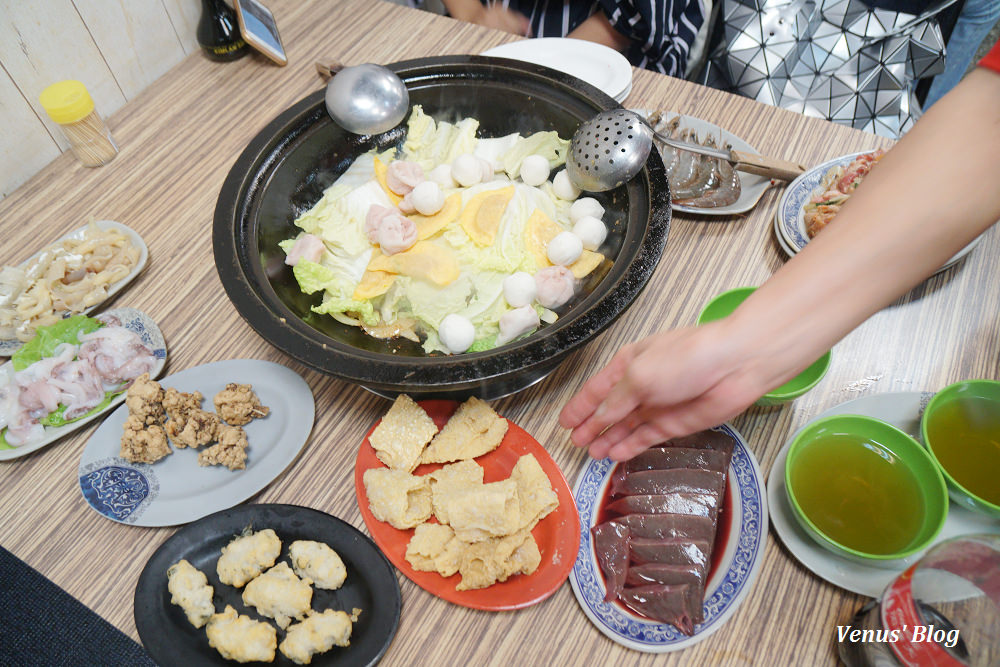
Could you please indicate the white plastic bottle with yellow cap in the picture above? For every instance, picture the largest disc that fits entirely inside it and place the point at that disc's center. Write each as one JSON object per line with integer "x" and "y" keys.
{"x": 69, "y": 104}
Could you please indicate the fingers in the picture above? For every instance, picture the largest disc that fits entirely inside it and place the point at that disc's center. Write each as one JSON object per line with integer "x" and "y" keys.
{"x": 594, "y": 391}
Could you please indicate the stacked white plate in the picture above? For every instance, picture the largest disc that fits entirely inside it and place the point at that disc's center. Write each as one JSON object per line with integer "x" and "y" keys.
{"x": 598, "y": 65}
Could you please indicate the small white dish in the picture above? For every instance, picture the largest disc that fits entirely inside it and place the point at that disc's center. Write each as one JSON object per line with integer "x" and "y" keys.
{"x": 9, "y": 346}
{"x": 729, "y": 583}
{"x": 175, "y": 489}
{"x": 902, "y": 410}
{"x": 790, "y": 225}
{"x": 752, "y": 186}
{"x": 131, "y": 319}
{"x": 596, "y": 64}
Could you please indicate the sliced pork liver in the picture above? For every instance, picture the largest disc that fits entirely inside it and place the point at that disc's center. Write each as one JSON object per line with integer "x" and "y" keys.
{"x": 698, "y": 504}
{"x": 611, "y": 545}
{"x": 668, "y": 604}
{"x": 675, "y": 480}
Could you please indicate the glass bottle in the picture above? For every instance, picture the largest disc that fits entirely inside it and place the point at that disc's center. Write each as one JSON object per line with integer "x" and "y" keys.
{"x": 943, "y": 611}
{"x": 218, "y": 33}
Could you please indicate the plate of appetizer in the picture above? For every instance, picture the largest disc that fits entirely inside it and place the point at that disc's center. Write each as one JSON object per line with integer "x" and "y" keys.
{"x": 472, "y": 510}
{"x": 72, "y": 275}
{"x": 702, "y": 185}
{"x": 596, "y": 64}
{"x": 811, "y": 201}
{"x": 902, "y": 410}
{"x": 203, "y": 593}
{"x": 660, "y": 568}
{"x": 72, "y": 372}
{"x": 196, "y": 442}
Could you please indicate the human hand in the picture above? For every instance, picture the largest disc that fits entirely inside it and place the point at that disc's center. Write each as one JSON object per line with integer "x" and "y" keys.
{"x": 499, "y": 18}
{"x": 670, "y": 384}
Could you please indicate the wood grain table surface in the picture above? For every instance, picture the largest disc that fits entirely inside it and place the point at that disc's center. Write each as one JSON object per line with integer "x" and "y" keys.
{"x": 178, "y": 140}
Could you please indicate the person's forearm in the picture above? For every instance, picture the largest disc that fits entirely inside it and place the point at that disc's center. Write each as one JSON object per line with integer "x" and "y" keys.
{"x": 463, "y": 10}
{"x": 598, "y": 29}
{"x": 927, "y": 198}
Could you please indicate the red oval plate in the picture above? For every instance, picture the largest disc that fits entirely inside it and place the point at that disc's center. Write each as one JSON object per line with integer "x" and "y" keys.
{"x": 557, "y": 535}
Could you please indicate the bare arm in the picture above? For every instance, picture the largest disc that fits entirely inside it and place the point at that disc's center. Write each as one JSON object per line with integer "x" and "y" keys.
{"x": 598, "y": 29}
{"x": 472, "y": 11}
{"x": 929, "y": 196}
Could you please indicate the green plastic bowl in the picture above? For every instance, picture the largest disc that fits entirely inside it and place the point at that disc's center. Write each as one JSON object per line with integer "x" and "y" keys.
{"x": 722, "y": 306}
{"x": 904, "y": 451}
{"x": 987, "y": 389}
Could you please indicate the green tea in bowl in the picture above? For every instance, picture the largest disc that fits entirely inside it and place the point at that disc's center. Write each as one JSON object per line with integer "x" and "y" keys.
{"x": 864, "y": 489}
{"x": 961, "y": 429}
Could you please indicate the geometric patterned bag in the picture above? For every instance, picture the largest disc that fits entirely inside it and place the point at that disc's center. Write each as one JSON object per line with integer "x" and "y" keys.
{"x": 841, "y": 60}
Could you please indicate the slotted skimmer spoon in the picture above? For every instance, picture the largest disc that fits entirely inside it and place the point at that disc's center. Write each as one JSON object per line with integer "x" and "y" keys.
{"x": 611, "y": 148}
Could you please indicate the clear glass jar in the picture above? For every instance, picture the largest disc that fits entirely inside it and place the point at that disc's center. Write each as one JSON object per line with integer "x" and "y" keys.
{"x": 69, "y": 104}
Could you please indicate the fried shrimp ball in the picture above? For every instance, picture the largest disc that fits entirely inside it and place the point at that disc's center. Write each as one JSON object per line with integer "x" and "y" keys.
{"x": 238, "y": 405}
{"x": 246, "y": 556}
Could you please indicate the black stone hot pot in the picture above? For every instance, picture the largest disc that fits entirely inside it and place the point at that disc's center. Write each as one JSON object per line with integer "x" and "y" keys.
{"x": 286, "y": 167}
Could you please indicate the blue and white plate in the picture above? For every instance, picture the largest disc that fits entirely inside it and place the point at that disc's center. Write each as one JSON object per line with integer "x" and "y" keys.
{"x": 728, "y": 585}
{"x": 789, "y": 224}
{"x": 133, "y": 320}
{"x": 176, "y": 490}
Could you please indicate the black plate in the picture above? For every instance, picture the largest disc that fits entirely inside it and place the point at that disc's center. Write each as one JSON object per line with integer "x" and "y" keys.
{"x": 283, "y": 173}
{"x": 371, "y": 586}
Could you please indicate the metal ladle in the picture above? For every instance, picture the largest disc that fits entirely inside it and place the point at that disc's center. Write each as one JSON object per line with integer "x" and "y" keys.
{"x": 365, "y": 99}
{"x": 611, "y": 148}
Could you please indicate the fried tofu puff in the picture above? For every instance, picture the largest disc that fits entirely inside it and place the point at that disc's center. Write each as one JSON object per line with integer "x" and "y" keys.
{"x": 279, "y": 594}
{"x": 247, "y": 556}
{"x": 189, "y": 590}
{"x": 317, "y": 561}
{"x": 241, "y": 638}
{"x": 318, "y": 634}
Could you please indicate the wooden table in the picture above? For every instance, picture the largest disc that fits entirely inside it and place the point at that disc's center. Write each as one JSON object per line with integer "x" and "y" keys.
{"x": 179, "y": 139}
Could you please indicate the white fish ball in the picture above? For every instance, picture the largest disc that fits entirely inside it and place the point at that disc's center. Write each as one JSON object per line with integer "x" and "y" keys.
{"x": 519, "y": 289}
{"x": 564, "y": 249}
{"x": 586, "y": 206}
{"x": 467, "y": 170}
{"x": 441, "y": 175}
{"x": 534, "y": 170}
{"x": 591, "y": 231}
{"x": 457, "y": 333}
{"x": 427, "y": 198}
{"x": 516, "y": 323}
{"x": 563, "y": 187}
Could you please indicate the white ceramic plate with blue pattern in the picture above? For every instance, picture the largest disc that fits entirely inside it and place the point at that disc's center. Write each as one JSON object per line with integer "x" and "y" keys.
{"x": 133, "y": 320}
{"x": 789, "y": 222}
{"x": 176, "y": 490}
{"x": 9, "y": 346}
{"x": 728, "y": 584}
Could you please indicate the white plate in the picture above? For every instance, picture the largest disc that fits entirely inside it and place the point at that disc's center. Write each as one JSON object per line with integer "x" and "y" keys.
{"x": 729, "y": 584}
{"x": 175, "y": 489}
{"x": 789, "y": 224}
{"x": 10, "y": 346}
{"x": 598, "y": 65}
{"x": 902, "y": 410}
{"x": 150, "y": 334}
{"x": 752, "y": 186}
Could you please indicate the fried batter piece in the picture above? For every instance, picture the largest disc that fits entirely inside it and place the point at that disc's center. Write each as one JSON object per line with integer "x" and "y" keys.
{"x": 241, "y": 638}
{"x": 145, "y": 400}
{"x": 238, "y": 405}
{"x": 229, "y": 451}
{"x": 190, "y": 590}
{"x": 280, "y": 595}
{"x": 318, "y": 634}
{"x": 195, "y": 429}
{"x": 317, "y": 561}
{"x": 179, "y": 403}
{"x": 141, "y": 443}
{"x": 247, "y": 556}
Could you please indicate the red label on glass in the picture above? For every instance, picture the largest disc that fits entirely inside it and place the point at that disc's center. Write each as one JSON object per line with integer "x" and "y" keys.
{"x": 914, "y": 644}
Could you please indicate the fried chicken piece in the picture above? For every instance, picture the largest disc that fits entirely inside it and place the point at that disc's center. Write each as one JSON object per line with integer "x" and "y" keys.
{"x": 178, "y": 403}
{"x": 238, "y": 405}
{"x": 141, "y": 443}
{"x": 230, "y": 451}
{"x": 196, "y": 429}
{"x": 145, "y": 400}
{"x": 241, "y": 638}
